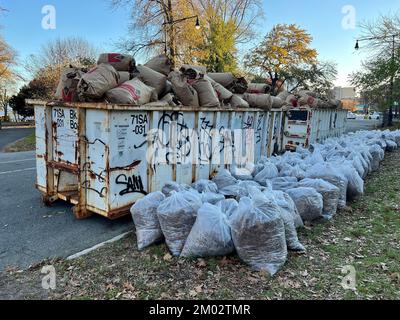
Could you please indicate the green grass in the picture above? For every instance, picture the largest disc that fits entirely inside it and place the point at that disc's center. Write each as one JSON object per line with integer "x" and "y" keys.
{"x": 25, "y": 144}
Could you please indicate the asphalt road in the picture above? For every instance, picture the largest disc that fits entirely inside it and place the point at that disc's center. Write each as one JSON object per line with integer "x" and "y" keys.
{"x": 362, "y": 124}
{"x": 8, "y": 136}
{"x": 30, "y": 231}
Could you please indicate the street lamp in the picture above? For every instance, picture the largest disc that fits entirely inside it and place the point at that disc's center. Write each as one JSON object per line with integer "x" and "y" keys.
{"x": 357, "y": 47}
{"x": 172, "y": 37}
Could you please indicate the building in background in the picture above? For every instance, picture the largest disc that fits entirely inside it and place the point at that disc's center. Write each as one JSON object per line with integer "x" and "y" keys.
{"x": 348, "y": 97}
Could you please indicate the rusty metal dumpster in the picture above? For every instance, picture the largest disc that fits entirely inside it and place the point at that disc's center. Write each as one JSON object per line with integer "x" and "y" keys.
{"x": 102, "y": 159}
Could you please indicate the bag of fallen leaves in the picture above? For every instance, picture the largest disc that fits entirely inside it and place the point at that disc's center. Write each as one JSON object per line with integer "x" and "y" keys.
{"x": 224, "y": 179}
{"x": 161, "y": 64}
{"x": 120, "y": 62}
{"x": 258, "y": 233}
{"x": 329, "y": 172}
{"x": 211, "y": 197}
{"x": 226, "y": 79}
{"x": 124, "y": 76}
{"x": 68, "y": 84}
{"x": 288, "y": 216}
{"x": 329, "y": 192}
{"x": 258, "y": 88}
{"x": 228, "y": 206}
{"x": 144, "y": 215}
{"x": 262, "y": 101}
{"x": 307, "y": 100}
{"x": 238, "y": 102}
{"x": 210, "y": 235}
{"x": 284, "y": 183}
{"x": 177, "y": 215}
{"x": 133, "y": 92}
{"x": 152, "y": 78}
{"x": 270, "y": 171}
{"x": 224, "y": 95}
{"x": 206, "y": 93}
{"x": 193, "y": 72}
{"x": 308, "y": 202}
{"x": 94, "y": 84}
{"x": 204, "y": 185}
{"x": 277, "y": 102}
{"x": 169, "y": 187}
{"x": 185, "y": 93}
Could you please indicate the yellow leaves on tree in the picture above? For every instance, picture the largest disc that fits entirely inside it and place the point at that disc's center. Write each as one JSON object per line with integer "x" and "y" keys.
{"x": 7, "y": 61}
{"x": 284, "y": 47}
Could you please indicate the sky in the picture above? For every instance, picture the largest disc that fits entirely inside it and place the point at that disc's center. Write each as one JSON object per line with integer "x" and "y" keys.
{"x": 330, "y": 23}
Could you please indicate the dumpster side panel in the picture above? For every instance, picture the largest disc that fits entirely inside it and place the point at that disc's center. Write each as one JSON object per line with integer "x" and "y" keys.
{"x": 127, "y": 164}
{"x": 65, "y": 135}
{"x": 41, "y": 152}
{"x": 96, "y": 166}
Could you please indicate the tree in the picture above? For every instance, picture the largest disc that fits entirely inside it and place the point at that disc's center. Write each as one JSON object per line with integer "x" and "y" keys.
{"x": 7, "y": 74}
{"x": 154, "y": 30}
{"x": 47, "y": 66}
{"x": 283, "y": 48}
{"x": 380, "y": 38}
{"x": 318, "y": 77}
{"x": 373, "y": 82}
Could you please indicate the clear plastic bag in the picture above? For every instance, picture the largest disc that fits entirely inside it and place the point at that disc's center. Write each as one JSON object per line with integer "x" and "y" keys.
{"x": 228, "y": 206}
{"x": 284, "y": 183}
{"x": 224, "y": 179}
{"x": 177, "y": 215}
{"x": 210, "y": 235}
{"x": 308, "y": 201}
{"x": 258, "y": 233}
{"x": 204, "y": 185}
{"x": 288, "y": 216}
{"x": 211, "y": 197}
{"x": 329, "y": 192}
{"x": 270, "y": 171}
{"x": 144, "y": 215}
{"x": 330, "y": 172}
{"x": 169, "y": 187}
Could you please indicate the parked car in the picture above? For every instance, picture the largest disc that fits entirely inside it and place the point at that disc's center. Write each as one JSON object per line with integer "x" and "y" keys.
{"x": 351, "y": 115}
{"x": 374, "y": 116}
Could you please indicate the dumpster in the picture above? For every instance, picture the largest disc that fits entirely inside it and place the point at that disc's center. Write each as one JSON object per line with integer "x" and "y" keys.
{"x": 304, "y": 126}
{"x": 102, "y": 157}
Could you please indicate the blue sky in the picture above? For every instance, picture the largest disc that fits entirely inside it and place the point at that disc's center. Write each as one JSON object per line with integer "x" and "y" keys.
{"x": 95, "y": 21}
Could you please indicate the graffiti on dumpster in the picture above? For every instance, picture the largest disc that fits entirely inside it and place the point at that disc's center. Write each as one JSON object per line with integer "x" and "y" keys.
{"x": 132, "y": 184}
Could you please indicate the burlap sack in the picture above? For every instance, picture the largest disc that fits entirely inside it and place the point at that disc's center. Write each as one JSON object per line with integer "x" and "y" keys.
{"x": 283, "y": 95}
{"x": 226, "y": 79}
{"x": 170, "y": 99}
{"x": 258, "y": 88}
{"x": 68, "y": 84}
{"x": 97, "y": 82}
{"x": 263, "y": 101}
{"x": 207, "y": 95}
{"x": 121, "y": 62}
{"x": 161, "y": 64}
{"x": 335, "y": 103}
{"x": 193, "y": 72}
{"x": 277, "y": 102}
{"x": 132, "y": 92}
{"x": 238, "y": 102}
{"x": 124, "y": 76}
{"x": 185, "y": 93}
{"x": 305, "y": 100}
{"x": 224, "y": 95}
{"x": 308, "y": 93}
{"x": 152, "y": 78}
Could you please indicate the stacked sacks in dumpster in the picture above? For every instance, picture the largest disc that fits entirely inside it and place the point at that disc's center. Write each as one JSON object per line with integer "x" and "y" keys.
{"x": 256, "y": 215}
{"x": 118, "y": 79}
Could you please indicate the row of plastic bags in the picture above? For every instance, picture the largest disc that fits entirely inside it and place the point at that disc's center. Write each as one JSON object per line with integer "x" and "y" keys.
{"x": 256, "y": 211}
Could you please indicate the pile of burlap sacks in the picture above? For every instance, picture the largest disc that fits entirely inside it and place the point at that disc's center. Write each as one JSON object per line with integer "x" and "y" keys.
{"x": 117, "y": 79}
